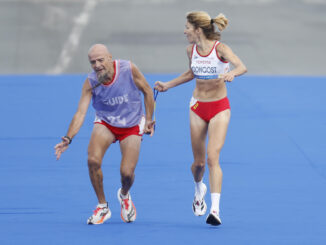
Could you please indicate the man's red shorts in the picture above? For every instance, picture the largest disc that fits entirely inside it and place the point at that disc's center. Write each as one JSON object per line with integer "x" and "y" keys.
{"x": 122, "y": 133}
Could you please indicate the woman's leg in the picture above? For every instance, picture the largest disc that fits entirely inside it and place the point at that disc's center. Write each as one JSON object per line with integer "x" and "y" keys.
{"x": 217, "y": 129}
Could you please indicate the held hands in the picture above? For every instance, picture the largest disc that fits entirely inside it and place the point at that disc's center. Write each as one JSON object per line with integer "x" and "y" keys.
{"x": 149, "y": 127}
{"x": 161, "y": 86}
{"x": 61, "y": 147}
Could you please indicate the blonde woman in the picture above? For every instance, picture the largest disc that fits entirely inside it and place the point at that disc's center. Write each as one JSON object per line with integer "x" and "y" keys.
{"x": 210, "y": 113}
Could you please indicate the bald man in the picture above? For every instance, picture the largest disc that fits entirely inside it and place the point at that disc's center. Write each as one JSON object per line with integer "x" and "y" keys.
{"x": 115, "y": 87}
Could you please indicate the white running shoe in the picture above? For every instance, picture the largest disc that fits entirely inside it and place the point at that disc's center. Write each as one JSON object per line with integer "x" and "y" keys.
{"x": 100, "y": 215}
{"x": 199, "y": 206}
{"x": 128, "y": 210}
{"x": 213, "y": 218}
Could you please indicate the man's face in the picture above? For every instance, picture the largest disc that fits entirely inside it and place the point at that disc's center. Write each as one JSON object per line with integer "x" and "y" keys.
{"x": 100, "y": 62}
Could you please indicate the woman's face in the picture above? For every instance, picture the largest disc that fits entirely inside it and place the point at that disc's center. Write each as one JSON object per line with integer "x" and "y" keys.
{"x": 190, "y": 32}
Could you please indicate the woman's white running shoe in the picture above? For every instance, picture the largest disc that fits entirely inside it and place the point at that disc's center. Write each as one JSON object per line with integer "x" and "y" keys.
{"x": 199, "y": 206}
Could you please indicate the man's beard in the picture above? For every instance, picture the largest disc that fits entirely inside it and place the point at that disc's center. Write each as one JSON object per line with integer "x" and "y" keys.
{"x": 102, "y": 78}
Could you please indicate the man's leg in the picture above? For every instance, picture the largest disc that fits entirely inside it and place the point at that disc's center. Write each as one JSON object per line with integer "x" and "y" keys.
{"x": 101, "y": 139}
{"x": 130, "y": 148}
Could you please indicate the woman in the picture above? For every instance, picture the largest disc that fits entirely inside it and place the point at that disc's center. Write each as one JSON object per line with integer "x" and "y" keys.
{"x": 209, "y": 107}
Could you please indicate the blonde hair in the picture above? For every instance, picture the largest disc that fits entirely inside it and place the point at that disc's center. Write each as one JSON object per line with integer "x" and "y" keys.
{"x": 203, "y": 20}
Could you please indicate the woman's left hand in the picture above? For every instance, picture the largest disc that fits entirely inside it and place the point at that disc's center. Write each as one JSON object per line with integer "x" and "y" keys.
{"x": 228, "y": 77}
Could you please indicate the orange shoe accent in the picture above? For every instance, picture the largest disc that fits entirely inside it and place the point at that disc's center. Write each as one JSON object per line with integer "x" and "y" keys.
{"x": 122, "y": 217}
{"x": 135, "y": 210}
{"x": 135, "y": 213}
{"x": 101, "y": 220}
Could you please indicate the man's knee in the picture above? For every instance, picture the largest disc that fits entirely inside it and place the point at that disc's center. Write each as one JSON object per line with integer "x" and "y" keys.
{"x": 94, "y": 162}
{"x": 127, "y": 174}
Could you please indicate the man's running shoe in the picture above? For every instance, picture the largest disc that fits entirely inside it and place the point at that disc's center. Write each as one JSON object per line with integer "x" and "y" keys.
{"x": 213, "y": 218}
{"x": 199, "y": 205}
{"x": 100, "y": 215}
{"x": 128, "y": 210}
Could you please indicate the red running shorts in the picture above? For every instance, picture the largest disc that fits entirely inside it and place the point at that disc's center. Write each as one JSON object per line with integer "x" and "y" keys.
{"x": 207, "y": 110}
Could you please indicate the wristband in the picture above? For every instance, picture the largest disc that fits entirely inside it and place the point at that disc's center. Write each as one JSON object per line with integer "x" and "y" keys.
{"x": 67, "y": 137}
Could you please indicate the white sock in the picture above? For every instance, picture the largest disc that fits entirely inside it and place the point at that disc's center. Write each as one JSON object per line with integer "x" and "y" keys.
{"x": 215, "y": 202}
{"x": 199, "y": 192}
{"x": 102, "y": 205}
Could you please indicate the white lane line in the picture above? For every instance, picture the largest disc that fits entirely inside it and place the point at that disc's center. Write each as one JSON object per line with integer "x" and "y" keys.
{"x": 72, "y": 43}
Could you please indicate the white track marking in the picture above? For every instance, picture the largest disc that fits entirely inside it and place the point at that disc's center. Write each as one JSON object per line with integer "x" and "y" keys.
{"x": 72, "y": 43}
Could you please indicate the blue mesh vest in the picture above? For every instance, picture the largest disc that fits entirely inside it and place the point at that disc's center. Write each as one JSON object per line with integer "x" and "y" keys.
{"x": 119, "y": 103}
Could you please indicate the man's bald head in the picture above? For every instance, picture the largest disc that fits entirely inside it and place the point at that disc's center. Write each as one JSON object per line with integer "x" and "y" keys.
{"x": 101, "y": 62}
{"x": 97, "y": 49}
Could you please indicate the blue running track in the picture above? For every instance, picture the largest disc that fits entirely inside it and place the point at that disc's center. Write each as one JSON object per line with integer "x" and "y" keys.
{"x": 274, "y": 189}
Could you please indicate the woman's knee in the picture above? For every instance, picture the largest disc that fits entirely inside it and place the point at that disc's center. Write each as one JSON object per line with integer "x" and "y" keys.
{"x": 199, "y": 164}
{"x": 213, "y": 158}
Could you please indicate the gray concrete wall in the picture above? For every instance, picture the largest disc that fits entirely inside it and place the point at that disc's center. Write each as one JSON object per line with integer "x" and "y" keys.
{"x": 272, "y": 37}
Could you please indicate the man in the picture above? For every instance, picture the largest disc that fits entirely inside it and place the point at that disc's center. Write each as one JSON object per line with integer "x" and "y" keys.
{"x": 115, "y": 87}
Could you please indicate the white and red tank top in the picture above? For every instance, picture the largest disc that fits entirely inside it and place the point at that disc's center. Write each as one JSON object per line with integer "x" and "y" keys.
{"x": 208, "y": 66}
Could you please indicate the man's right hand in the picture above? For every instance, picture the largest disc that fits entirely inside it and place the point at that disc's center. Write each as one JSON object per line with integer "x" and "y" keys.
{"x": 149, "y": 127}
{"x": 61, "y": 147}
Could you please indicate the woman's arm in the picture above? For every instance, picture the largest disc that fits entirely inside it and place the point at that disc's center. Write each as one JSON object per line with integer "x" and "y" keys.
{"x": 183, "y": 78}
{"x": 227, "y": 53}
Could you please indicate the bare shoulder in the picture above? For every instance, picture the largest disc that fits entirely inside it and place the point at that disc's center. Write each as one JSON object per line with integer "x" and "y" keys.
{"x": 136, "y": 73}
{"x": 87, "y": 88}
{"x": 189, "y": 50}
{"x": 138, "y": 77}
{"x": 189, "y": 47}
{"x": 222, "y": 48}
{"x": 86, "y": 81}
{"x": 133, "y": 66}
{"x": 87, "y": 84}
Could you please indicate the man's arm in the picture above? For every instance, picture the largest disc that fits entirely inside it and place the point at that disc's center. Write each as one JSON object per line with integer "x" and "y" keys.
{"x": 77, "y": 120}
{"x": 144, "y": 87}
